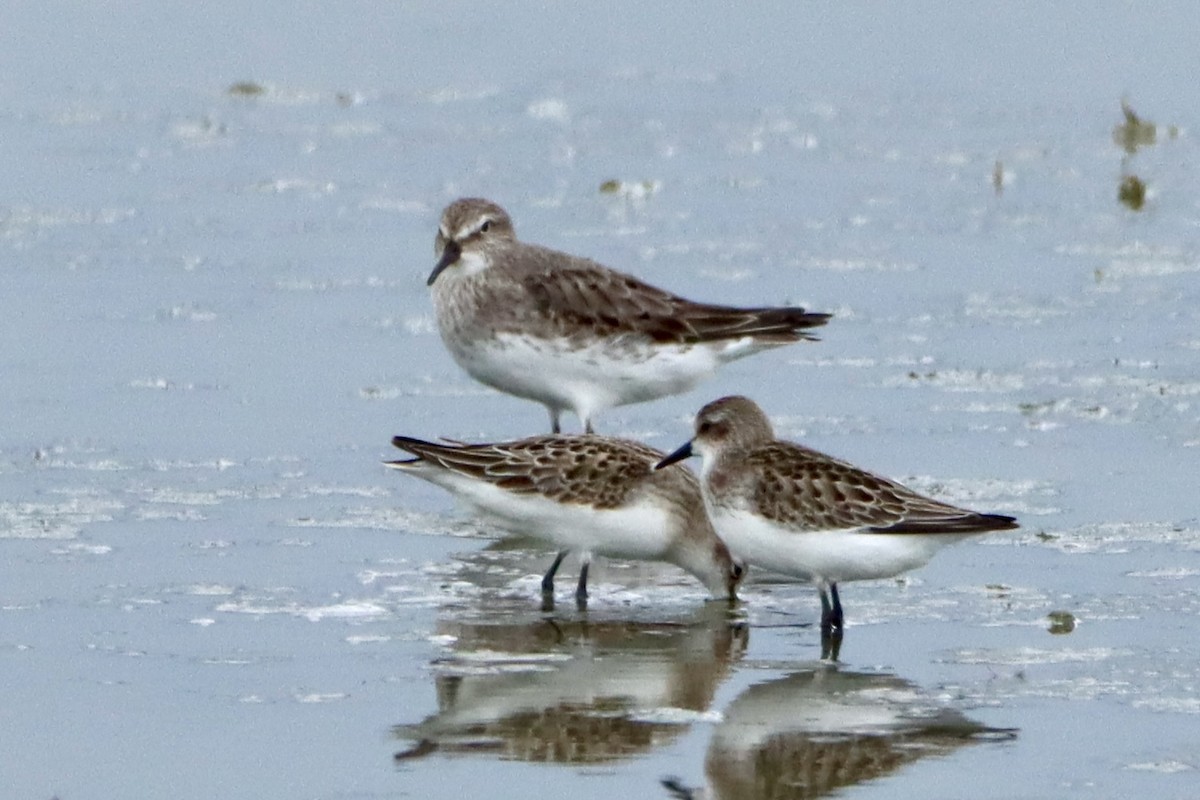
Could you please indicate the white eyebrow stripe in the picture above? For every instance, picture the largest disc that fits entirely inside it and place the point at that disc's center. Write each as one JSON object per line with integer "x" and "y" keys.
{"x": 466, "y": 231}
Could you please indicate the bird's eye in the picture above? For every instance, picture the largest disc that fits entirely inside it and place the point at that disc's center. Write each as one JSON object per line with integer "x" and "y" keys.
{"x": 705, "y": 427}
{"x": 487, "y": 223}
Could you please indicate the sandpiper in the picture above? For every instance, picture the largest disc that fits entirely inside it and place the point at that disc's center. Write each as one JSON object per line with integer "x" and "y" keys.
{"x": 573, "y": 334}
{"x": 591, "y": 494}
{"x": 786, "y": 508}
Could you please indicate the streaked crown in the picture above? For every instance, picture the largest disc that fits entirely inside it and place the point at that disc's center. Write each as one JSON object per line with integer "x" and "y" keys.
{"x": 471, "y": 218}
{"x": 732, "y": 422}
{"x": 468, "y": 227}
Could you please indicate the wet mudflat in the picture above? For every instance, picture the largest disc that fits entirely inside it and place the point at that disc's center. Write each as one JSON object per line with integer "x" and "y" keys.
{"x": 215, "y": 232}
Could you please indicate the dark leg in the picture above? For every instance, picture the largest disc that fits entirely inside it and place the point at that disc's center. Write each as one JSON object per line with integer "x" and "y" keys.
{"x": 587, "y": 426}
{"x": 548, "y": 578}
{"x": 831, "y": 611}
{"x": 581, "y": 590}
{"x": 831, "y": 645}
{"x": 837, "y": 607}
{"x": 554, "y": 426}
{"x": 826, "y": 611}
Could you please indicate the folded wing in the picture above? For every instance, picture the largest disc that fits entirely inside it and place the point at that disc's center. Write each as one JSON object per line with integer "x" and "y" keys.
{"x": 571, "y": 469}
{"x": 601, "y": 300}
{"x": 809, "y": 490}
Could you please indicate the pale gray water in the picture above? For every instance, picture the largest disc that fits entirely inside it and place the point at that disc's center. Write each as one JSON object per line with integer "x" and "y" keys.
{"x": 213, "y": 316}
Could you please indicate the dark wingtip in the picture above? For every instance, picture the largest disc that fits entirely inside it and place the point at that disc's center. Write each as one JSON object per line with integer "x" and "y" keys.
{"x": 1001, "y": 522}
{"x": 408, "y": 445}
{"x": 790, "y": 323}
{"x": 422, "y": 748}
{"x": 807, "y": 320}
{"x": 416, "y": 447}
{"x": 796, "y": 317}
{"x": 970, "y": 522}
{"x": 402, "y": 463}
{"x": 403, "y": 442}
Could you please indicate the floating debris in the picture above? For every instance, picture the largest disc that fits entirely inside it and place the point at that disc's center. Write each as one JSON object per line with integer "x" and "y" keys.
{"x": 1134, "y": 132}
{"x": 1061, "y": 622}
{"x": 1029, "y": 409}
{"x": 635, "y": 190}
{"x": 1132, "y": 192}
{"x": 998, "y": 177}
{"x": 246, "y": 89}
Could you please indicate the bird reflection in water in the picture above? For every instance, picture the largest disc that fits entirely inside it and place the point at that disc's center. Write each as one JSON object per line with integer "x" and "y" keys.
{"x": 577, "y": 690}
{"x": 814, "y": 732}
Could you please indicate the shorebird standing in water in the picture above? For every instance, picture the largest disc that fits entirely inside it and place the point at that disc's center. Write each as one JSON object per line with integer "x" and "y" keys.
{"x": 573, "y": 334}
{"x": 590, "y": 494}
{"x": 789, "y": 509}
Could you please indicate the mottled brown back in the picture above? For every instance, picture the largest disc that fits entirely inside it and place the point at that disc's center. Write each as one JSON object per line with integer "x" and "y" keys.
{"x": 597, "y": 471}
{"x": 574, "y": 293}
{"x": 808, "y": 490}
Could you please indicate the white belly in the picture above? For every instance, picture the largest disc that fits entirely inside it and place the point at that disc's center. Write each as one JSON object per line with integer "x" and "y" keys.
{"x": 831, "y": 556}
{"x": 585, "y": 379}
{"x": 640, "y": 531}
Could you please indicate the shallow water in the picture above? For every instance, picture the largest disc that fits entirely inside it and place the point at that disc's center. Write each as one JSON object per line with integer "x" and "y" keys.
{"x": 214, "y": 316}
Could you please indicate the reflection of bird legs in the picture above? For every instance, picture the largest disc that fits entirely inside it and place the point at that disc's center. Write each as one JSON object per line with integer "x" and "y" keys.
{"x": 548, "y": 582}
{"x": 831, "y": 613}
